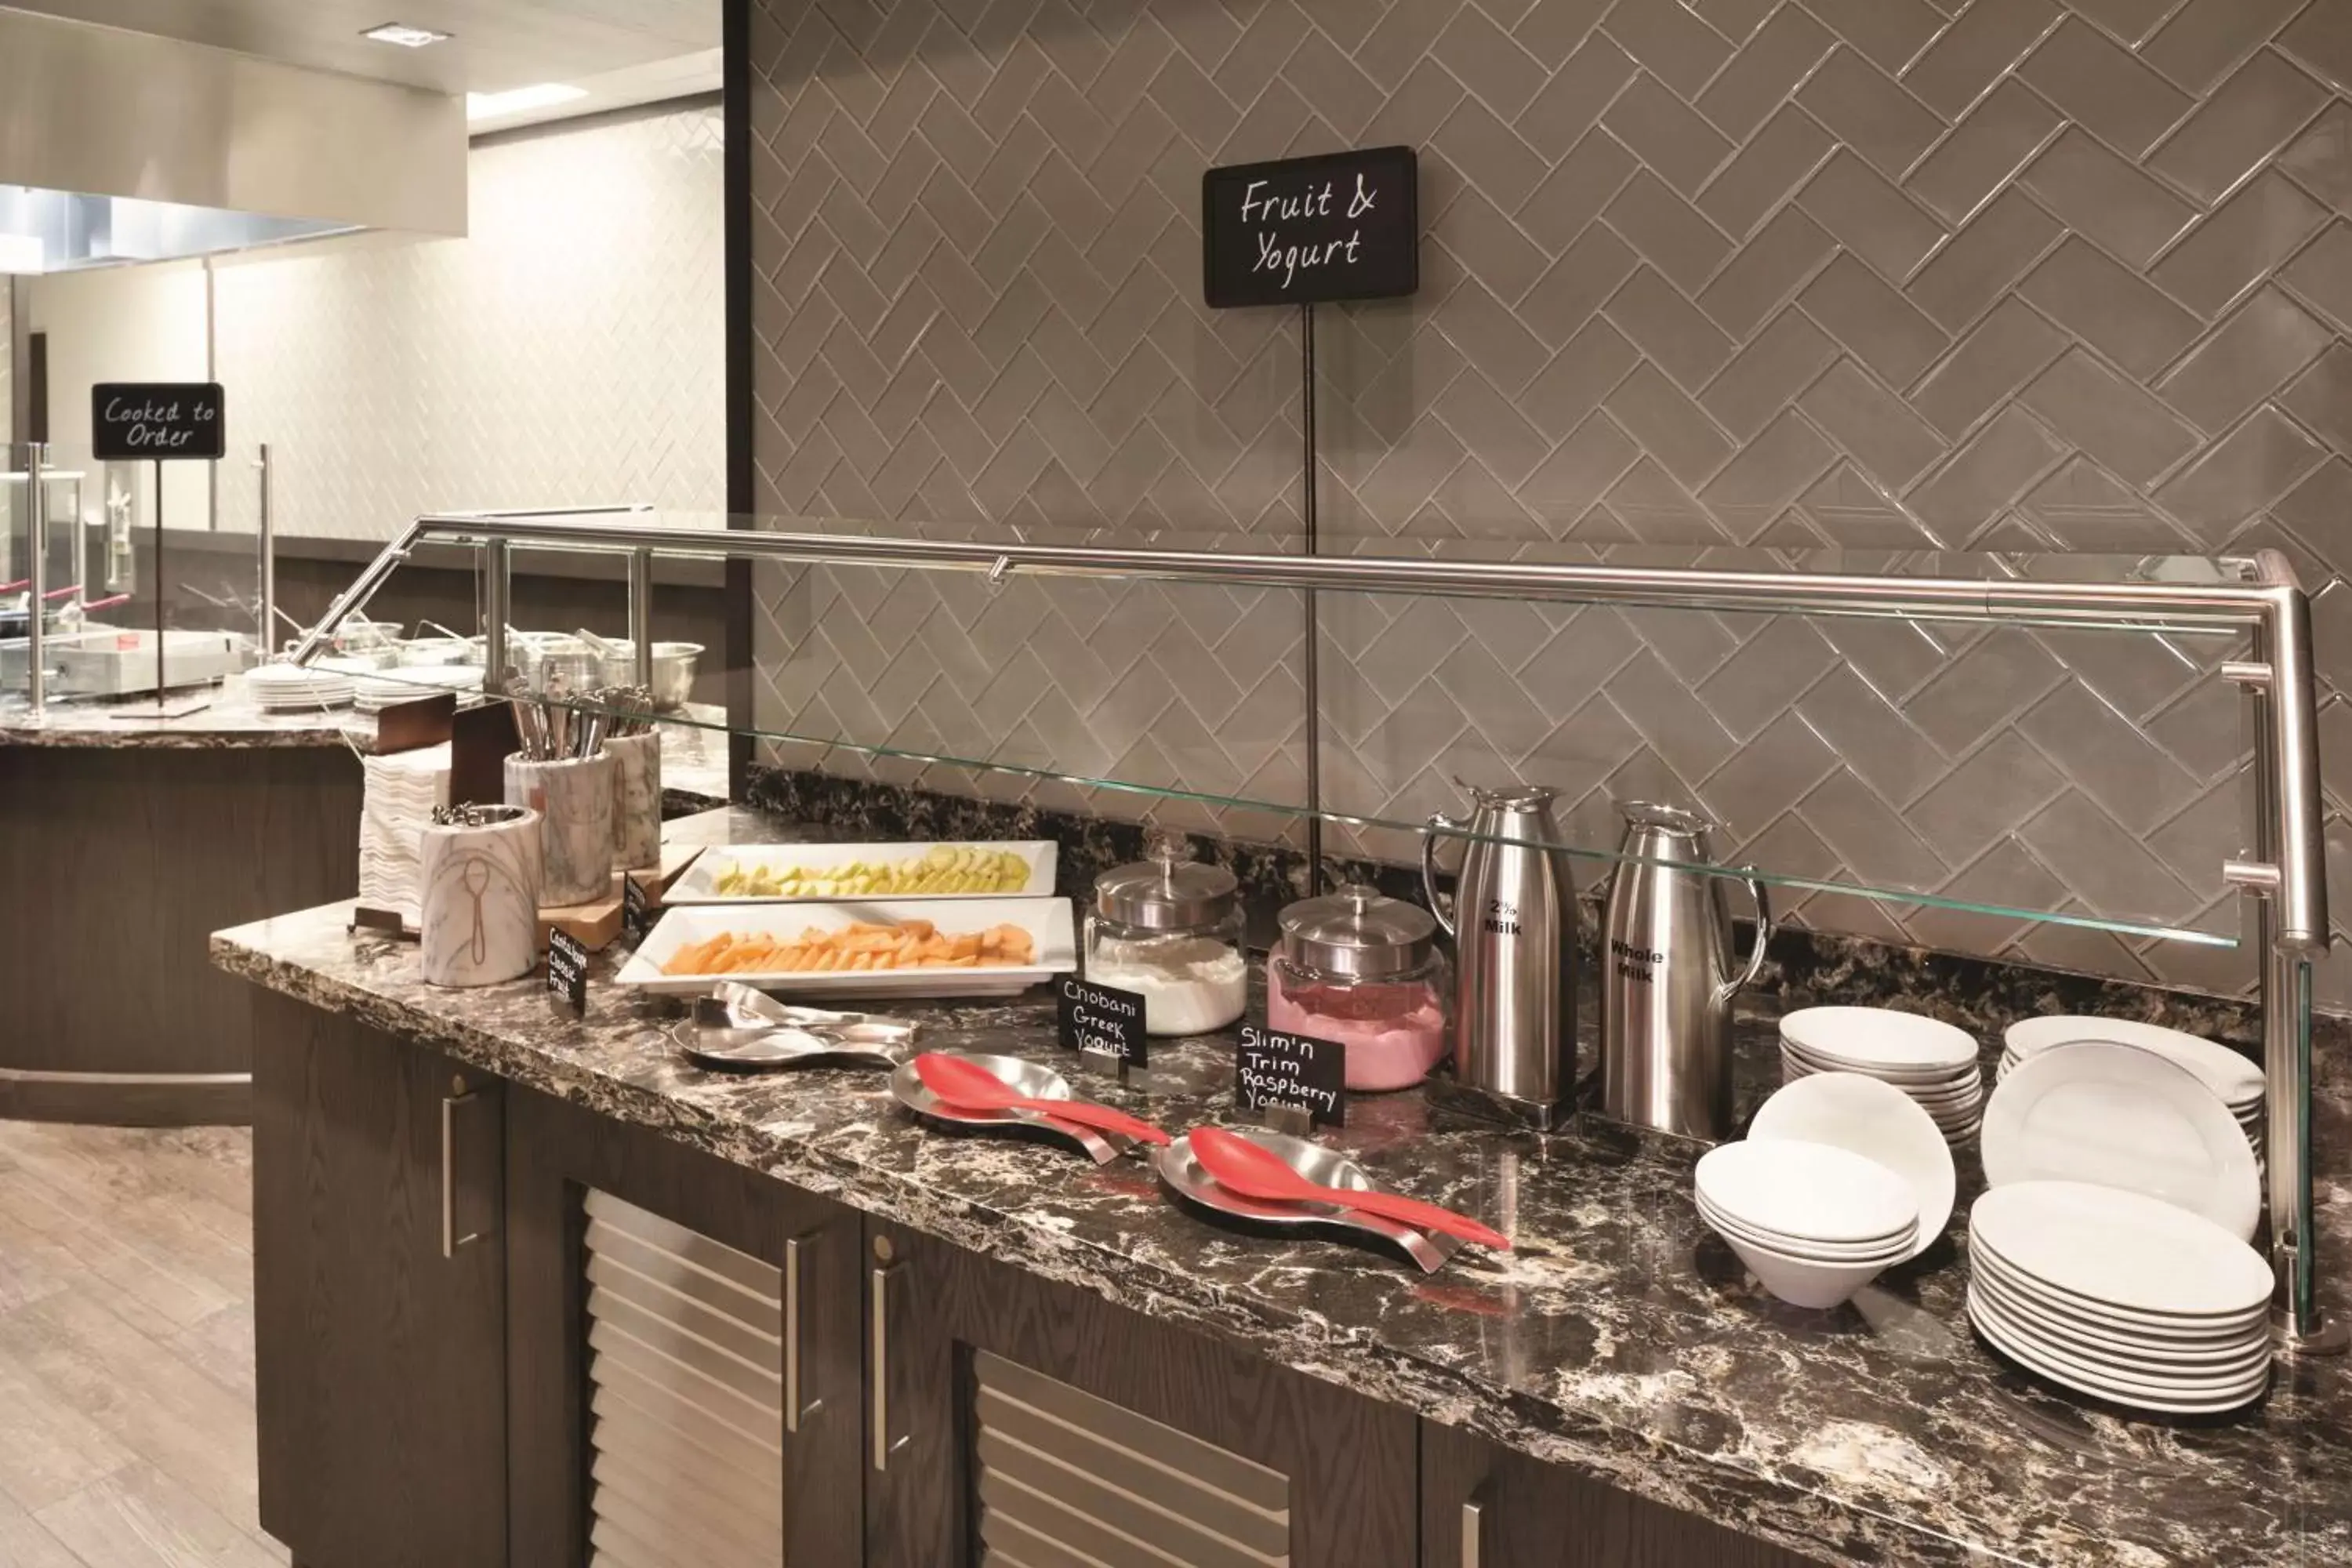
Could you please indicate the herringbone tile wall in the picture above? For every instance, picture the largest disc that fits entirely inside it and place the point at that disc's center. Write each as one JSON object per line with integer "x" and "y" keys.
{"x": 571, "y": 350}
{"x": 2021, "y": 274}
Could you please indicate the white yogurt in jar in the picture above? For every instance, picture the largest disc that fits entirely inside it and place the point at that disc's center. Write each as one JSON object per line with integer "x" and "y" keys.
{"x": 1190, "y": 986}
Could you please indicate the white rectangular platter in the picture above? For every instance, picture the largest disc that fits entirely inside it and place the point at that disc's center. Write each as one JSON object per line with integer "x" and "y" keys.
{"x": 700, "y": 883}
{"x": 1047, "y": 921}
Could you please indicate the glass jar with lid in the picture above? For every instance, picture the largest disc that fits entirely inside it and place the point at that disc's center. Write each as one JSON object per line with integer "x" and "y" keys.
{"x": 1365, "y": 970}
{"x": 1170, "y": 929}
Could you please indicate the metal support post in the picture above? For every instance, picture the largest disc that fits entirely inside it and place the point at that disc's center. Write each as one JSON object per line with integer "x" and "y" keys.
{"x": 268, "y": 552}
{"x": 641, "y": 615}
{"x": 1311, "y": 670}
{"x": 498, "y": 608}
{"x": 36, "y": 520}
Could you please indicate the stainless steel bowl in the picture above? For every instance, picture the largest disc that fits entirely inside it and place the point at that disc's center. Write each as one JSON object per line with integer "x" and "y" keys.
{"x": 673, "y": 667}
{"x": 545, "y": 657}
{"x": 441, "y": 651}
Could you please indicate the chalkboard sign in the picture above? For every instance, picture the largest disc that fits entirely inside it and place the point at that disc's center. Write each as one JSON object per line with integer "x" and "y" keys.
{"x": 1295, "y": 1071}
{"x": 1101, "y": 1019}
{"x": 170, "y": 420}
{"x": 637, "y": 915}
{"x": 567, "y": 971}
{"x": 1344, "y": 226}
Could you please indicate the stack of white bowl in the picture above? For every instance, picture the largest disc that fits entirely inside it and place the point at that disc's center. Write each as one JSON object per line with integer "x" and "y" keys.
{"x": 294, "y": 688}
{"x": 2234, "y": 1080}
{"x": 2120, "y": 1296}
{"x": 1932, "y": 1062}
{"x": 1814, "y": 1222}
{"x": 373, "y": 694}
{"x": 402, "y": 790}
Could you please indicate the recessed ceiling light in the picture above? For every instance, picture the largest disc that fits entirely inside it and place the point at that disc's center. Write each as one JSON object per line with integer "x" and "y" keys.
{"x": 406, "y": 36}
{"x": 514, "y": 101}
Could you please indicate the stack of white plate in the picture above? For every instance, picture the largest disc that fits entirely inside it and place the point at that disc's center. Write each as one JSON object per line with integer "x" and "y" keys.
{"x": 1932, "y": 1062}
{"x": 2234, "y": 1080}
{"x": 2120, "y": 1296}
{"x": 2091, "y": 1110}
{"x": 373, "y": 694}
{"x": 401, "y": 790}
{"x": 1814, "y": 1223}
{"x": 292, "y": 687}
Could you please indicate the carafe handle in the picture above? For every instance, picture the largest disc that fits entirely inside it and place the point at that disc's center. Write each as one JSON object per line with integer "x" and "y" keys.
{"x": 1438, "y": 822}
{"x": 1730, "y": 988}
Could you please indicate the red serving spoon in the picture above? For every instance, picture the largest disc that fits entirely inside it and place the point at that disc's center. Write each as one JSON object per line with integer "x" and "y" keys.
{"x": 1257, "y": 1173}
{"x": 974, "y": 1088}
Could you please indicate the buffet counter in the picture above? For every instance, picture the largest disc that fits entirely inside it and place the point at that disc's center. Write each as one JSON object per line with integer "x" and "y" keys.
{"x": 134, "y": 837}
{"x": 1620, "y": 1343}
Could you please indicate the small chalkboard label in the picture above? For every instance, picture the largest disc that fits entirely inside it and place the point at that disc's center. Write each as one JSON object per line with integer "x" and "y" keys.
{"x": 1101, "y": 1020}
{"x": 567, "y": 971}
{"x": 141, "y": 420}
{"x": 1344, "y": 226}
{"x": 636, "y": 911}
{"x": 1294, "y": 1072}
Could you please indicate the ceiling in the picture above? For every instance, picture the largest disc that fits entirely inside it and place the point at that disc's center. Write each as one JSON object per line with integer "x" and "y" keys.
{"x": 495, "y": 44}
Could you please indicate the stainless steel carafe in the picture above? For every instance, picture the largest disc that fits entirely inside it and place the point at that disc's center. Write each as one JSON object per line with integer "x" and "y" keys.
{"x": 1669, "y": 978}
{"x": 1514, "y": 925}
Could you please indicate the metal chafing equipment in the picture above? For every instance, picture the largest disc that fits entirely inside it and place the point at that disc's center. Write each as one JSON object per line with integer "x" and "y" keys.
{"x": 2283, "y": 882}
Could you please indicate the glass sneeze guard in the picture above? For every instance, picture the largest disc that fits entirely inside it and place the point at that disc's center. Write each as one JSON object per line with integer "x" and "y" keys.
{"x": 2231, "y": 626}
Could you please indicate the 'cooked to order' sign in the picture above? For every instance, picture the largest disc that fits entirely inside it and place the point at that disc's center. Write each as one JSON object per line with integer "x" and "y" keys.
{"x": 1345, "y": 226}
{"x": 138, "y": 420}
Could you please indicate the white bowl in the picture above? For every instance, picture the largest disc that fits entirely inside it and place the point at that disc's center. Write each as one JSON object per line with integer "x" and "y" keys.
{"x": 1886, "y": 1250}
{"x": 1879, "y": 1041}
{"x": 1856, "y": 1112}
{"x": 1804, "y": 1282}
{"x": 1809, "y": 1191}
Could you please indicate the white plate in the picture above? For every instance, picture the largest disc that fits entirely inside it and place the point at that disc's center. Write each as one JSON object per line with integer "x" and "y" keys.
{"x": 2126, "y": 1320}
{"x": 699, "y": 885}
{"x": 2235, "y": 1352}
{"x": 2122, "y": 1249}
{"x": 1884, "y": 1251}
{"x": 1807, "y": 1192}
{"x": 1047, "y": 921}
{"x": 2236, "y": 1081}
{"x": 2152, "y": 1393}
{"x": 1879, "y": 1040}
{"x": 1934, "y": 1081}
{"x": 1877, "y": 1121}
{"x": 2122, "y": 1117}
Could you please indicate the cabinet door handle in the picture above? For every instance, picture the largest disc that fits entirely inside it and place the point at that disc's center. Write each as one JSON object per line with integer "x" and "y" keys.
{"x": 450, "y": 1240}
{"x": 795, "y": 1249}
{"x": 1474, "y": 1527}
{"x": 883, "y": 1444}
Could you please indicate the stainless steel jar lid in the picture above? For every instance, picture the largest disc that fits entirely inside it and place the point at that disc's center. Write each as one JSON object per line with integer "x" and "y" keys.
{"x": 1169, "y": 892}
{"x": 1358, "y": 932}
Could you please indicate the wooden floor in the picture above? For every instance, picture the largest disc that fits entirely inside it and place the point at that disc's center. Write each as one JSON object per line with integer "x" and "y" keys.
{"x": 126, "y": 1349}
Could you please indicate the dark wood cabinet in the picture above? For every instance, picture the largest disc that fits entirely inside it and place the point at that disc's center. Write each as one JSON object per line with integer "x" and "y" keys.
{"x": 1055, "y": 1427}
{"x": 379, "y": 1297}
{"x": 1485, "y": 1507}
{"x": 724, "y": 1307}
{"x": 496, "y": 1327}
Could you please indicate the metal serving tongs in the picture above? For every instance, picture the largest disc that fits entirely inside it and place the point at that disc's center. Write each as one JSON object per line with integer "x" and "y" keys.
{"x": 741, "y": 1028}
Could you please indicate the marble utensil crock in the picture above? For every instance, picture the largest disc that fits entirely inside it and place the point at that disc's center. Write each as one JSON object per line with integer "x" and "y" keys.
{"x": 573, "y": 797}
{"x": 481, "y": 898}
{"x": 636, "y": 799}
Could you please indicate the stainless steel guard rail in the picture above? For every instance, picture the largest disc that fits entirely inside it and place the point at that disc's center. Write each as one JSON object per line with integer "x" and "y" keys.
{"x": 2284, "y": 879}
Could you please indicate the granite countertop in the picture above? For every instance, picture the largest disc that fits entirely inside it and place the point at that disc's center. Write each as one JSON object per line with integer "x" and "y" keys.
{"x": 1619, "y": 1337}
{"x": 228, "y": 720}
{"x": 694, "y": 754}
